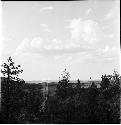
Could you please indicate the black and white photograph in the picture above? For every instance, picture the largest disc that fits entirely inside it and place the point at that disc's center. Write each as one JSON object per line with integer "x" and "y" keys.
{"x": 60, "y": 62}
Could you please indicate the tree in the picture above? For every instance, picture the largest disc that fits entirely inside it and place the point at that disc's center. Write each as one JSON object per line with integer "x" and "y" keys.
{"x": 116, "y": 77}
{"x": 64, "y": 87}
{"x": 109, "y": 99}
{"x": 108, "y": 80}
{"x": 105, "y": 81}
{"x": 93, "y": 85}
{"x": 65, "y": 76}
{"x": 11, "y": 72}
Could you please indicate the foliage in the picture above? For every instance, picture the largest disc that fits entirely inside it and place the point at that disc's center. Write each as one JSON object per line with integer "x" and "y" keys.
{"x": 70, "y": 104}
{"x": 87, "y": 105}
{"x": 20, "y": 101}
{"x": 10, "y": 70}
{"x": 9, "y": 87}
{"x": 109, "y": 99}
{"x": 15, "y": 96}
{"x": 64, "y": 88}
{"x": 24, "y": 102}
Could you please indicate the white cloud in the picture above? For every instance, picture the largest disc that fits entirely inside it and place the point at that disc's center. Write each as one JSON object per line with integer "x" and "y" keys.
{"x": 45, "y": 27}
{"x": 107, "y": 53}
{"x": 108, "y": 16}
{"x": 90, "y": 31}
{"x": 85, "y": 37}
{"x": 106, "y": 49}
{"x": 36, "y": 42}
{"x": 85, "y": 31}
{"x": 46, "y": 8}
{"x": 22, "y": 48}
{"x": 110, "y": 36}
{"x": 112, "y": 51}
{"x": 49, "y": 47}
{"x": 5, "y": 39}
{"x": 55, "y": 41}
{"x": 88, "y": 11}
{"x": 75, "y": 27}
{"x": 114, "y": 12}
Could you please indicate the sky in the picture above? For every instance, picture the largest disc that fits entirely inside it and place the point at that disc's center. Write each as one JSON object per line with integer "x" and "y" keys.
{"x": 45, "y": 37}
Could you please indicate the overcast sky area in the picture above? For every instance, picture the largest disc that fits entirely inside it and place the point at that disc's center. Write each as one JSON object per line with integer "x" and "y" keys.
{"x": 47, "y": 37}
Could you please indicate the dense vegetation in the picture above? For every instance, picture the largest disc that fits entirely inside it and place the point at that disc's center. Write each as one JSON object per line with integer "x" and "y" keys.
{"x": 25, "y": 103}
{"x": 20, "y": 102}
{"x": 85, "y": 105}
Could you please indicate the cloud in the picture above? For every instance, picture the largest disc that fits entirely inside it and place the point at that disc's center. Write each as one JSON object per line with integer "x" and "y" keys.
{"x": 88, "y": 11}
{"x": 107, "y": 53}
{"x": 110, "y": 36}
{"x": 22, "y": 48}
{"x": 46, "y": 8}
{"x": 85, "y": 31}
{"x": 49, "y": 47}
{"x": 69, "y": 51}
{"x": 84, "y": 40}
{"x": 111, "y": 51}
{"x": 108, "y": 16}
{"x": 5, "y": 39}
{"x": 45, "y": 27}
{"x": 114, "y": 12}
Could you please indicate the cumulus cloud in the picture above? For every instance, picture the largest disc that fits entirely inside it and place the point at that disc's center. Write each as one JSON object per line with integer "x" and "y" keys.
{"x": 36, "y": 42}
{"x": 22, "y": 48}
{"x": 84, "y": 30}
{"x": 49, "y": 47}
{"x": 69, "y": 51}
{"x": 46, "y": 8}
{"x": 84, "y": 40}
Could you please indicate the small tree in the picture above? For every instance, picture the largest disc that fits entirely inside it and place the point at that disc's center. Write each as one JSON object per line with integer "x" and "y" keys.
{"x": 116, "y": 77}
{"x": 105, "y": 81}
{"x": 108, "y": 80}
{"x": 64, "y": 87}
{"x": 65, "y": 75}
{"x": 10, "y": 70}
